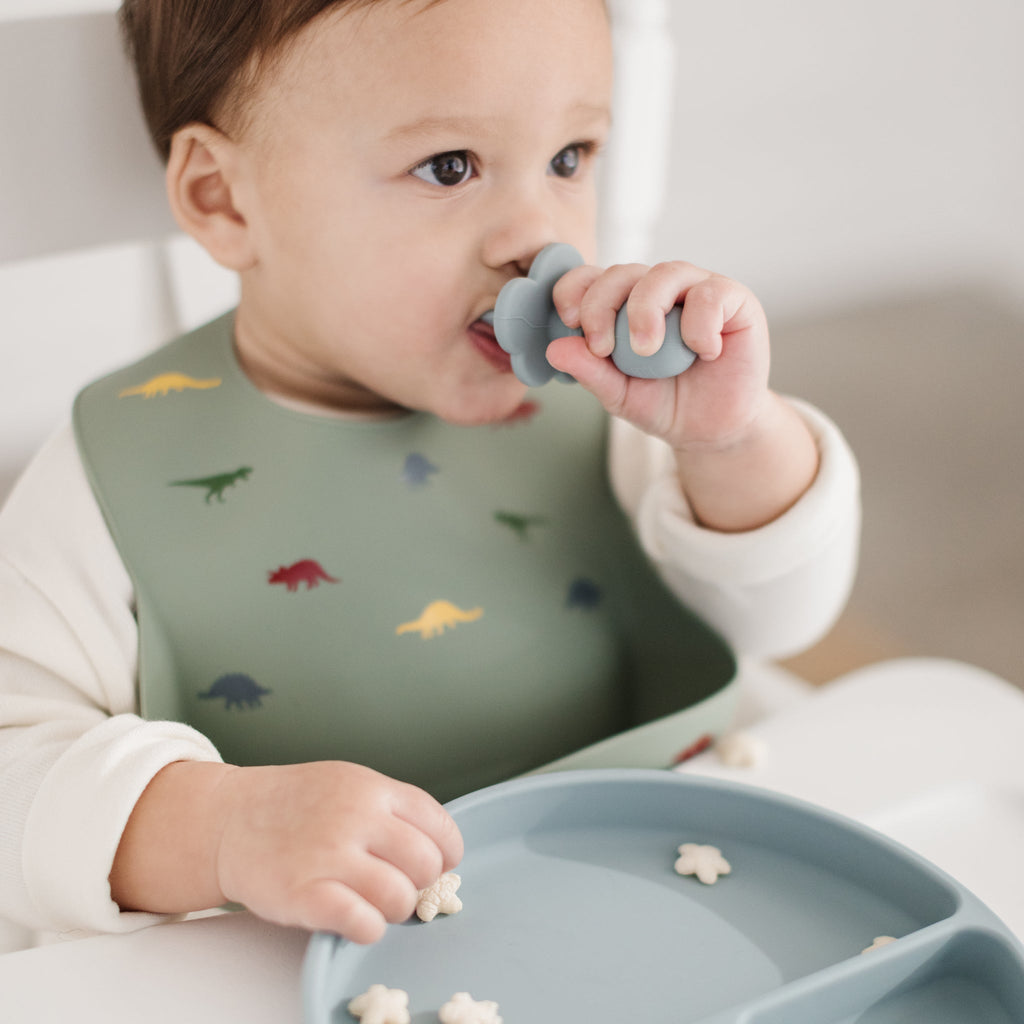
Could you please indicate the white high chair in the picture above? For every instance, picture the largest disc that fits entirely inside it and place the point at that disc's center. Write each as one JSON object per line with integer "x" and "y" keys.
{"x": 91, "y": 270}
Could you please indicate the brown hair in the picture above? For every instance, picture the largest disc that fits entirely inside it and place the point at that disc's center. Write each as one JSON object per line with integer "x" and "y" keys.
{"x": 190, "y": 55}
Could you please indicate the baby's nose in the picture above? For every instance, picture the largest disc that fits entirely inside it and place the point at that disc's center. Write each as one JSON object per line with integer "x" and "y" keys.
{"x": 525, "y": 220}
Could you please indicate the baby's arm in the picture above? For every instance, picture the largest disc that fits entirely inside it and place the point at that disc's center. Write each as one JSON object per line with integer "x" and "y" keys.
{"x": 73, "y": 755}
{"x": 744, "y": 456}
{"x": 769, "y": 592}
{"x": 325, "y": 846}
{"x": 76, "y": 763}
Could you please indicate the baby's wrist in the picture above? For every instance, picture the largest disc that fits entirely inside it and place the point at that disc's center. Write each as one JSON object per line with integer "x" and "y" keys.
{"x": 210, "y": 804}
{"x": 225, "y": 804}
{"x": 754, "y": 429}
{"x": 752, "y": 477}
{"x": 166, "y": 861}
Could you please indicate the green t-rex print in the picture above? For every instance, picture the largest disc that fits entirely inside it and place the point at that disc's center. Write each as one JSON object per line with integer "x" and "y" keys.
{"x": 519, "y": 524}
{"x": 216, "y": 485}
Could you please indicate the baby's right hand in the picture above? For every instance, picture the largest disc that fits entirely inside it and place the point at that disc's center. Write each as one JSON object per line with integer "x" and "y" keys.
{"x": 331, "y": 846}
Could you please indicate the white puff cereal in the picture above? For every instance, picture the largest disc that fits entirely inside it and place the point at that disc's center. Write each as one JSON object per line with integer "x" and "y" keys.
{"x": 741, "y": 750}
{"x": 880, "y": 941}
{"x": 439, "y": 898}
{"x": 462, "y": 1008}
{"x": 381, "y": 1005}
{"x": 706, "y": 862}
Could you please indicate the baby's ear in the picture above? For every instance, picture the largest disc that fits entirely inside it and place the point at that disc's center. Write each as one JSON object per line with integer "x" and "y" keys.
{"x": 204, "y": 184}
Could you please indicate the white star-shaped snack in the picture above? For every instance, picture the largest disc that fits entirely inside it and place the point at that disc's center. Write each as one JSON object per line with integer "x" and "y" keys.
{"x": 381, "y": 1005}
{"x": 706, "y": 862}
{"x": 740, "y": 750}
{"x": 439, "y": 898}
{"x": 880, "y": 941}
{"x": 462, "y": 1008}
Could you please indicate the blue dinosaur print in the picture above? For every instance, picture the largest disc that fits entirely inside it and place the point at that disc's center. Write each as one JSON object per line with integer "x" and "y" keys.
{"x": 417, "y": 469}
{"x": 238, "y": 690}
{"x": 583, "y": 593}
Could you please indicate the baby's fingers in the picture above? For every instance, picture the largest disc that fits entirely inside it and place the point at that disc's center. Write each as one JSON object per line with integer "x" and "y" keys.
{"x": 569, "y": 291}
{"x": 420, "y": 810}
{"x": 589, "y": 298}
{"x": 412, "y": 852}
{"x": 714, "y": 307}
{"x": 653, "y": 296}
{"x": 600, "y": 305}
{"x": 358, "y": 901}
{"x": 329, "y": 905}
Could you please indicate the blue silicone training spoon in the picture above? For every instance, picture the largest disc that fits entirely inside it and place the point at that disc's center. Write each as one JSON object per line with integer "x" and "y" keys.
{"x": 526, "y": 322}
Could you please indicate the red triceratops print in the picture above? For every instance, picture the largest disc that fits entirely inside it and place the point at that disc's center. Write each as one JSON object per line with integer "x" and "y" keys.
{"x": 307, "y": 571}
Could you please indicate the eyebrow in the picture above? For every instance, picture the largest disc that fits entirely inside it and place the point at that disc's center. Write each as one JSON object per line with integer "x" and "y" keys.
{"x": 435, "y": 125}
{"x": 427, "y": 126}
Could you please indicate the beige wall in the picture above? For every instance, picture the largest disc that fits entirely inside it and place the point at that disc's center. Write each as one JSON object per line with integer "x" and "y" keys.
{"x": 832, "y": 151}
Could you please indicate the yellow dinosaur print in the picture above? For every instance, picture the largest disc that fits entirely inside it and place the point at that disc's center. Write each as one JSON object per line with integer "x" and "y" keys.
{"x": 165, "y": 383}
{"x": 436, "y": 617}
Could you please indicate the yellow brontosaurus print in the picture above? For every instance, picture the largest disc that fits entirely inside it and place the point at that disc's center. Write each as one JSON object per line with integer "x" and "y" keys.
{"x": 165, "y": 383}
{"x": 438, "y": 616}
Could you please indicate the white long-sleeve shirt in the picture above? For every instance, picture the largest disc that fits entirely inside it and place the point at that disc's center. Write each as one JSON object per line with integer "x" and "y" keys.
{"x": 75, "y": 756}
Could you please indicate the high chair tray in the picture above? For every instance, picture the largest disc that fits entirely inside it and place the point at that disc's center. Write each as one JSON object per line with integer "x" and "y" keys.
{"x": 573, "y": 912}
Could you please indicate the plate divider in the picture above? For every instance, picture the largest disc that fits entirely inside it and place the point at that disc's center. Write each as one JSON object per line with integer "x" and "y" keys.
{"x": 835, "y": 993}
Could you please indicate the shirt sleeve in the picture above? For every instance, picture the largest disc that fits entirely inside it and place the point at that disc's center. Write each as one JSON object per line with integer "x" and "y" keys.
{"x": 74, "y": 754}
{"x": 770, "y": 592}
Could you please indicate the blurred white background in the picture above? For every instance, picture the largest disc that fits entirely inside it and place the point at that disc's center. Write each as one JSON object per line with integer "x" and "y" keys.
{"x": 860, "y": 167}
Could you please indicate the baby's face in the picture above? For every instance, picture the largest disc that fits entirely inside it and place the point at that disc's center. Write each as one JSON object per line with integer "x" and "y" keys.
{"x": 402, "y": 162}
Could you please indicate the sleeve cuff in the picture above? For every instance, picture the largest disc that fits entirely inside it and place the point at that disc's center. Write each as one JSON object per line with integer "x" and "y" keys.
{"x": 80, "y": 812}
{"x": 827, "y": 512}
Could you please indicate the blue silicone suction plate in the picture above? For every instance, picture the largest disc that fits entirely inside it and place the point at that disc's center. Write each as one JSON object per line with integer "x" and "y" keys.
{"x": 573, "y": 912}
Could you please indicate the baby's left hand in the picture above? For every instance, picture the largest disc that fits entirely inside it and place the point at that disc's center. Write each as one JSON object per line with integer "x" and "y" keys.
{"x": 713, "y": 404}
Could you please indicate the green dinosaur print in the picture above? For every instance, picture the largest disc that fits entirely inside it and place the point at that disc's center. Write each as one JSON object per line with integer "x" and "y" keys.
{"x": 215, "y": 485}
{"x": 519, "y": 524}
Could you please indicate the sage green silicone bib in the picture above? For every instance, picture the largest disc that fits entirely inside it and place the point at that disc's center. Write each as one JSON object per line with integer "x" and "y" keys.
{"x": 449, "y": 605}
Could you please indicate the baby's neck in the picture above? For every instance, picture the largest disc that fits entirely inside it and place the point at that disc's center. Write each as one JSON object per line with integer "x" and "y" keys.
{"x": 286, "y": 384}
{"x": 310, "y": 408}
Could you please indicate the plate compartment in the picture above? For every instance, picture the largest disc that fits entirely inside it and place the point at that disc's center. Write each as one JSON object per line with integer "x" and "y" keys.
{"x": 573, "y": 911}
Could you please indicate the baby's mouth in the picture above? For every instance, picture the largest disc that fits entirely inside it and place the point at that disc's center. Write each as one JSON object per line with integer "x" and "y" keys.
{"x": 481, "y": 333}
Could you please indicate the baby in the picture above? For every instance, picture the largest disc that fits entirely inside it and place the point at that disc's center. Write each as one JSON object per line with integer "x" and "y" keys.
{"x": 466, "y": 596}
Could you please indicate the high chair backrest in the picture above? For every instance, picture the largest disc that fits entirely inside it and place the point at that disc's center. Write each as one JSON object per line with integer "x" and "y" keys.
{"x": 77, "y": 172}
{"x": 76, "y": 167}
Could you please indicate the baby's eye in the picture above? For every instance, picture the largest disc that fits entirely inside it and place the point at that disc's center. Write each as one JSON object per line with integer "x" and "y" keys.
{"x": 566, "y": 163}
{"x": 445, "y": 169}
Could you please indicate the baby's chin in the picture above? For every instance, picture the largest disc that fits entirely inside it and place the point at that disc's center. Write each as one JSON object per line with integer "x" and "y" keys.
{"x": 480, "y": 411}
